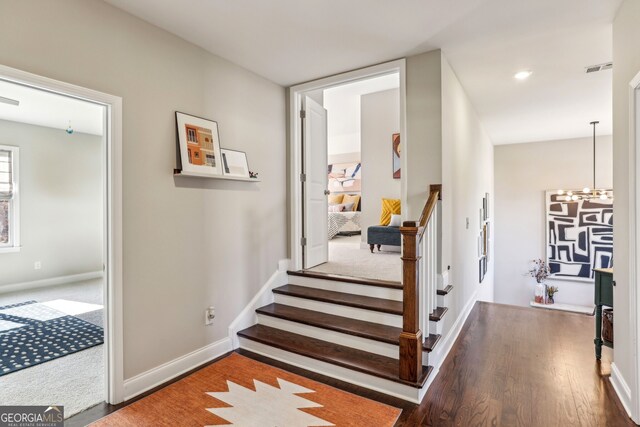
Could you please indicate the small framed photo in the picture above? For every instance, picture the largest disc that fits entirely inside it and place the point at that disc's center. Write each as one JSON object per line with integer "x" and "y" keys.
{"x": 484, "y": 209}
{"x": 488, "y": 204}
{"x": 484, "y": 240}
{"x": 199, "y": 145}
{"x": 234, "y": 163}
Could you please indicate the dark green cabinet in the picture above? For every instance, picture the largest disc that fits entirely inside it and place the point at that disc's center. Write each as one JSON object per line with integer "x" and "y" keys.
{"x": 603, "y": 296}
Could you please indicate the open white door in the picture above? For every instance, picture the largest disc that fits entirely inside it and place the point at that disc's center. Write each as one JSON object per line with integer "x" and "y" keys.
{"x": 314, "y": 187}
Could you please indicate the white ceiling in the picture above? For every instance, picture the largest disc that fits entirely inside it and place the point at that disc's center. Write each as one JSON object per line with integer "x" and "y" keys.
{"x": 48, "y": 109}
{"x": 486, "y": 42}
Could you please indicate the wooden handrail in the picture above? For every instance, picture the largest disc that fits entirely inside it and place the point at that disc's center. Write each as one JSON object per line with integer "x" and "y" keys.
{"x": 435, "y": 194}
{"x": 411, "y": 336}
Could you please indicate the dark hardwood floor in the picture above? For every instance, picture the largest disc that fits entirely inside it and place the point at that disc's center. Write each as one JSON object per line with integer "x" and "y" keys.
{"x": 511, "y": 366}
{"x": 516, "y": 366}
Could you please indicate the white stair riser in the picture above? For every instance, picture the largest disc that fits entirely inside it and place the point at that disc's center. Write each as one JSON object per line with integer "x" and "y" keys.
{"x": 440, "y": 300}
{"x": 392, "y": 388}
{"x": 340, "y": 310}
{"x": 436, "y": 327}
{"x": 371, "y": 346}
{"x": 347, "y": 288}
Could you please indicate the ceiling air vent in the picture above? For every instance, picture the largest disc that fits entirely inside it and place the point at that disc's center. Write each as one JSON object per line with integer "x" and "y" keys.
{"x": 599, "y": 67}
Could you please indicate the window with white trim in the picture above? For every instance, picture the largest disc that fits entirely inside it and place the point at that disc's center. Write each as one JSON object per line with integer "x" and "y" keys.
{"x": 9, "y": 199}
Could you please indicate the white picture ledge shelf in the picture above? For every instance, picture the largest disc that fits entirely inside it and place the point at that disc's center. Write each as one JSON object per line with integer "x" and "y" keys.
{"x": 565, "y": 307}
{"x": 178, "y": 172}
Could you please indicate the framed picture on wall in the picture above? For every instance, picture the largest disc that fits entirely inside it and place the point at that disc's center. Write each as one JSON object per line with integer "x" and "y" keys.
{"x": 484, "y": 240}
{"x": 487, "y": 203}
{"x": 579, "y": 235}
{"x": 199, "y": 145}
{"x": 484, "y": 209}
{"x": 234, "y": 163}
{"x": 396, "y": 148}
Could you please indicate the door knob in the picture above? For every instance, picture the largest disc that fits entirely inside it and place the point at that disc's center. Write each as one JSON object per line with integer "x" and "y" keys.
{"x": 327, "y": 192}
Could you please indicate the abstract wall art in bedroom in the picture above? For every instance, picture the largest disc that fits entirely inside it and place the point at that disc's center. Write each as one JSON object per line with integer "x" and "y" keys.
{"x": 395, "y": 143}
{"x": 345, "y": 177}
{"x": 579, "y": 236}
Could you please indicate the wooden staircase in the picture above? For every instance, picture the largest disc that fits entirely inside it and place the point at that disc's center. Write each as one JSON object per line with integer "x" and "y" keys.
{"x": 347, "y": 328}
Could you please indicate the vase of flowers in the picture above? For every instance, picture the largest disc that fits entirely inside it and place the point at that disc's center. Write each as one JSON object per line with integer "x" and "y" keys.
{"x": 551, "y": 291}
{"x": 541, "y": 271}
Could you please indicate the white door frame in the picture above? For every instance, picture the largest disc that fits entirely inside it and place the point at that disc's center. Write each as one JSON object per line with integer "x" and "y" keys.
{"x": 634, "y": 243}
{"x": 114, "y": 372}
{"x": 295, "y": 139}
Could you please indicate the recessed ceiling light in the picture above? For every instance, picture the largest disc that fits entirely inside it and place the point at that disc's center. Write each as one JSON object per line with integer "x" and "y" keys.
{"x": 522, "y": 75}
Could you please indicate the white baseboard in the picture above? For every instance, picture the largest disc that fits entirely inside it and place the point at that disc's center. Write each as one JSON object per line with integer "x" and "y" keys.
{"x": 167, "y": 371}
{"x": 621, "y": 388}
{"x": 441, "y": 351}
{"x": 247, "y": 316}
{"x": 53, "y": 281}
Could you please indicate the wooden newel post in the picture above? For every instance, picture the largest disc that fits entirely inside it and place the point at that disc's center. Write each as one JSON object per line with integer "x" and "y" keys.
{"x": 411, "y": 336}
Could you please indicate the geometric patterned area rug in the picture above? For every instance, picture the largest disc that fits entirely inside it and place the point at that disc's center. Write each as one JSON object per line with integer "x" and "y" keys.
{"x": 243, "y": 392}
{"x": 32, "y": 333}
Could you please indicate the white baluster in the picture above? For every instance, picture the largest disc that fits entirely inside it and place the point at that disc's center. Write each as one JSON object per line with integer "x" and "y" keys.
{"x": 433, "y": 256}
{"x": 424, "y": 307}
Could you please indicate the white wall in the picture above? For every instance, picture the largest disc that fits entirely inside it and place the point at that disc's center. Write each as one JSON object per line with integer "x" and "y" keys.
{"x": 61, "y": 190}
{"x": 523, "y": 173}
{"x": 626, "y": 59}
{"x": 354, "y": 157}
{"x": 188, "y": 243}
{"x": 343, "y": 110}
{"x": 379, "y": 120}
{"x": 422, "y": 156}
{"x": 467, "y": 174}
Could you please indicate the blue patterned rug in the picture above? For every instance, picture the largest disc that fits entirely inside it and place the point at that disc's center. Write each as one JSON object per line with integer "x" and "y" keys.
{"x": 32, "y": 333}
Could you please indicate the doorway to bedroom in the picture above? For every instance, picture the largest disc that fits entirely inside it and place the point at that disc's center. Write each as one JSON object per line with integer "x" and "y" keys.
{"x": 363, "y": 178}
{"x": 53, "y": 248}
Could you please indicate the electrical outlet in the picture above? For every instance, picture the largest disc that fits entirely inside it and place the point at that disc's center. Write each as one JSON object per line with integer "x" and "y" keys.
{"x": 37, "y": 265}
{"x": 209, "y": 315}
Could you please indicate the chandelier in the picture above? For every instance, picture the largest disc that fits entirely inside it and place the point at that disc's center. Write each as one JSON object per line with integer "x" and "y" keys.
{"x": 588, "y": 193}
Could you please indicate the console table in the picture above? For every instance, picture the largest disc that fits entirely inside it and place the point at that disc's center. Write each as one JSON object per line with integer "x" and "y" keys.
{"x": 603, "y": 296}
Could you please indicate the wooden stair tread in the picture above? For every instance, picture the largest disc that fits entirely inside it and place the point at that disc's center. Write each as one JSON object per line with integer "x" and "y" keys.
{"x": 345, "y": 325}
{"x": 351, "y": 300}
{"x": 431, "y": 342}
{"x": 346, "y": 357}
{"x": 445, "y": 291}
{"x": 347, "y": 279}
{"x": 438, "y": 314}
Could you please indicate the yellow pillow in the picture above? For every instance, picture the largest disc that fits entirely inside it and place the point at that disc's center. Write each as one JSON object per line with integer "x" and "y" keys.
{"x": 351, "y": 199}
{"x": 389, "y": 207}
{"x": 335, "y": 199}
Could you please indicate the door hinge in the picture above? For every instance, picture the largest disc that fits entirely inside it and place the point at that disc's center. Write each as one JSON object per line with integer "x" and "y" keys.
{"x": 303, "y": 241}
{"x": 303, "y": 114}
{"x": 303, "y": 177}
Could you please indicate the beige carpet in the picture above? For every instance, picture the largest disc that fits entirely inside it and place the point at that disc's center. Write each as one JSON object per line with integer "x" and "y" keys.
{"x": 76, "y": 380}
{"x": 348, "y": 259}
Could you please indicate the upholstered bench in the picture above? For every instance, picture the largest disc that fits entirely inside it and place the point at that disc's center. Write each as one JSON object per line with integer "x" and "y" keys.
{"x": 378, "y": 235}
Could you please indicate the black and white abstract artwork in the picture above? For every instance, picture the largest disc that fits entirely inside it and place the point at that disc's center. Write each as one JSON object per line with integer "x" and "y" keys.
{"x": 579, "y": 236}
